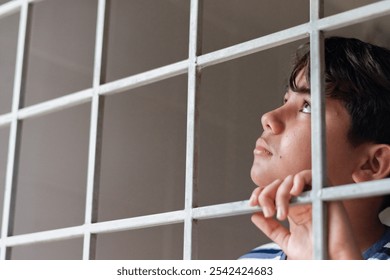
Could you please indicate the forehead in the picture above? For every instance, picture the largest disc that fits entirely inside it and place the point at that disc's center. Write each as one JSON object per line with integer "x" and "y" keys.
{"x": 300, "y": 83}
{"x": 300, "y": 80}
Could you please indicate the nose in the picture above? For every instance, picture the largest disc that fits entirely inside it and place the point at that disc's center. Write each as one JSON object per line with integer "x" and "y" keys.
{"x": 272, "y": 122}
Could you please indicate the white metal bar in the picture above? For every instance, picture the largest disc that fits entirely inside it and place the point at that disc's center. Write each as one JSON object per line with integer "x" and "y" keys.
{"x": 349, "y": 191}
{"x": 160, "y": 219}
{"x": 336, "y": 21}
{"x": 99, "y": 41}
{"x": 85, "y": 96}
{"x": 13, "y": 138}
{"x": 50, "y": 106}
{"x": 358, "y": 190}
{"x": 229, "y": 209}
{"x": 56, "y": 104}
{"x": 336, "y": 193}
{"x": 329, "y": 23}
{"x": 238, "y": 208}
{"x": 358, "y": 15}
{"x": 154, "y": 220}
{"x": 318, "y": 132}
{"x": 145, "y": 78}
{"x": 94, "y": 138}
{"x": 350, "y": 17}
{"x": 255, "y": 45}
{"x": 190, "y": 235}
{"x": 10, "y": 8}
{"x": 44, "y": 236}
{"x": 5, "y": 119}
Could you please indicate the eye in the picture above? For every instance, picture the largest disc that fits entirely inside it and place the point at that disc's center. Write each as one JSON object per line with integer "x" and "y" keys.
{"x": 306, "y": 108}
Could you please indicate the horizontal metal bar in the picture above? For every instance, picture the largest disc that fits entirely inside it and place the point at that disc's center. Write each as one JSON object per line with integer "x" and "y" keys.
{"x": 56, "y": 104}
{"x": 238, "y": 208}
{"x": 97, "y": 228}
{"x": 255, "y": 45}
{"x": 84, "y": 96}
{"x": 343, "y": 192}
{"x": 154, "y": 220}
{"x": 50, "y": 106}
{"x": 350, "y": 191}
{"x": 14, "y": 6}
{"x": 358, "y": 190}
{"x": 282, "y": 37}
{"x": 10, "y": 8}
{"x": 358, "y": 15}
{"x": 5, "y": 119}
{"x": 44, "y": 236}
{"x": 145, "y": 78}
{"x": 350, "y": 17}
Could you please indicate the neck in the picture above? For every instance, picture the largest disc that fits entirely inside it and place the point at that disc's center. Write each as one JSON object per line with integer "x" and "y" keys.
{"x": 363, "y": 214}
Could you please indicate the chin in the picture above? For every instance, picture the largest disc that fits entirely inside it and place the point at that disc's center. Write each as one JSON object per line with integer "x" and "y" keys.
{"x": 256, "y": 176}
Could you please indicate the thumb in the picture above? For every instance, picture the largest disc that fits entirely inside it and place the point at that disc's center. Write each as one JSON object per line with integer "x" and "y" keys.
{"x": 272, "y": 229}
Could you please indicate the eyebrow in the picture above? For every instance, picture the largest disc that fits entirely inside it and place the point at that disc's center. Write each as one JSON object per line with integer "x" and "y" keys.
{"x": 296, "y": 89}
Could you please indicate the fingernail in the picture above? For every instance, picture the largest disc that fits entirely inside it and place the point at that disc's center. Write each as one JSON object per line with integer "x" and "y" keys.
{"x": 279, "y": 213}
{"x": 252, "y": 200}
{"x": 266, "y": 212}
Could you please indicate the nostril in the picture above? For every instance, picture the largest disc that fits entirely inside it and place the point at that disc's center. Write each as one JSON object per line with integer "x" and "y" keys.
{"x": 272, "y": 122}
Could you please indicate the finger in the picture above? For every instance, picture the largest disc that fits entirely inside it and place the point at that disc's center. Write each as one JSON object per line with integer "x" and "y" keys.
{"x": 272, "y": 229}
{"x": 266, "y": 199}
{"x": 283, "y": 198}
{"x": 301, "y": 180}
{"x": 255, "y": 194}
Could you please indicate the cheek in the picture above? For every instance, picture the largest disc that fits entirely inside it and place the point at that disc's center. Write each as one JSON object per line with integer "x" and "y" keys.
{"x": 293, "y": 156}
{"x": 341, "y": 159}
{"x": 296, "y": 149}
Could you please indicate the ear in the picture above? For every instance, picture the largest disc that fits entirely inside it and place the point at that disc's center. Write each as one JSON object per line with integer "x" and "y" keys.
{"x": 376, "y": 164}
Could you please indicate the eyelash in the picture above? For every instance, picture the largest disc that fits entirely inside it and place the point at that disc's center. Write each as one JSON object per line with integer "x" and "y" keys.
{"x": 305, "y": 104}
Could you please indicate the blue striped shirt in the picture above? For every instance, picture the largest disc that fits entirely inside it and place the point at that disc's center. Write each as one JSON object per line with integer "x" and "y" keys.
{"x": 380, "y": 250}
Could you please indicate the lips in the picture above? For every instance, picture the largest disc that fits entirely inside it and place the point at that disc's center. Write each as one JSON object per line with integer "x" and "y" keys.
{"x": 262, "y": 148}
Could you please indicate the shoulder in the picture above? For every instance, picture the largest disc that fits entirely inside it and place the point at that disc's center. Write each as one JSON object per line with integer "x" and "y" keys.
{"x": 266, "y": 251}
{"x": 381, "y": 249}
{"x": 382, "y": 254}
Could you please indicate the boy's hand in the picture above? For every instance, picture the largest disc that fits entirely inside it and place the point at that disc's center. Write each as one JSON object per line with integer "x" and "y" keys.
{"x": 296, "y": 241}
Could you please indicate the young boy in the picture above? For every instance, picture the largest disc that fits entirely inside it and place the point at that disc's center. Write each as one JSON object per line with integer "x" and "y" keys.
{"x": 357, "y": 87}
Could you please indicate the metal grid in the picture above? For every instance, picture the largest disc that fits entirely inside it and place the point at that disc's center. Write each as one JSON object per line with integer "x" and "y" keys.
{"x": 192, "y": 66}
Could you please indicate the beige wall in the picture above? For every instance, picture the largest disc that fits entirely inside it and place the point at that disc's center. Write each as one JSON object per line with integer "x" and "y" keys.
{"x": 144, "y": 130}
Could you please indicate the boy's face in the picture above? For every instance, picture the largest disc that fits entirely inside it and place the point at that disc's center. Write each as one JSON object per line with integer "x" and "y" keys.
{"x": 284, "y": 148}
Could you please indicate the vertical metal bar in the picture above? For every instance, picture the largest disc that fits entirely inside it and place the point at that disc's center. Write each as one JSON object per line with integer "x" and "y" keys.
{"x": 97, "y": 109}
{"x": 318, "y": 131}
{"x": 190, "y": 236}
{"x": 15, "y": 134}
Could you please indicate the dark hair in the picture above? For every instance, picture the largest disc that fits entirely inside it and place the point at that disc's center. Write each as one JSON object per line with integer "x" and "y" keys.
{"x": 386, "y": 202}
{"x": 358, "y": 74}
